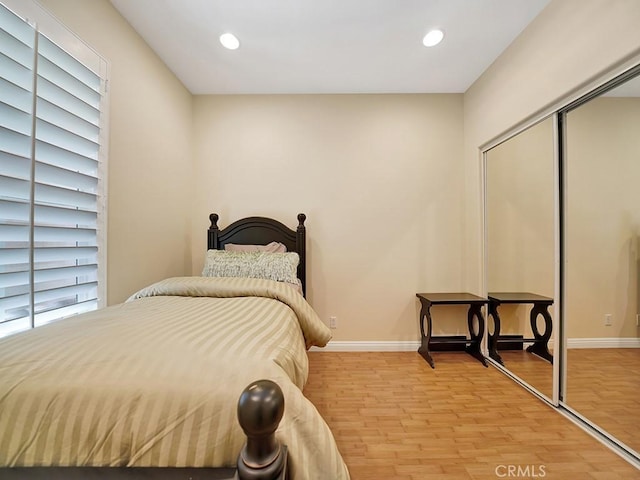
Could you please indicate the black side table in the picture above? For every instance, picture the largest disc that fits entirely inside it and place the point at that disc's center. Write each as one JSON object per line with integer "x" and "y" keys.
{"x": 472, "y": 344}
{"x": 540, "y": 305}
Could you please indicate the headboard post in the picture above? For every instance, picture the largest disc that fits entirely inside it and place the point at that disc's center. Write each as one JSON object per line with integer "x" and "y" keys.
{"x": 302, "y": 250}
{"x": 212, "y": 234}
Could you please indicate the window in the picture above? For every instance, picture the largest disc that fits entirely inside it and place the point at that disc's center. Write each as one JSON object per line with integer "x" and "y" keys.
{"x": 52, "y": 204}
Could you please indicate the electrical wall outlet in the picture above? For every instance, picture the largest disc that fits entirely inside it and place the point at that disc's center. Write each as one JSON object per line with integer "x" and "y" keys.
{"x": 607, "y": 319}
{"x": 637, "y": 319}
{"x": 333, "y": 322}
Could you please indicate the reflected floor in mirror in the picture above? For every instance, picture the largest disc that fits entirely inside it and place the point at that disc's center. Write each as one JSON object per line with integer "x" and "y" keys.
{"x": 530, "y": 368}
{"x": 603, "y": 385}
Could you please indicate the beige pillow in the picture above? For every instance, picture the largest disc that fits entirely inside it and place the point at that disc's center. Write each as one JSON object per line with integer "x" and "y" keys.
{"x": 282, "y": 267}
{"x": 273, "y": 247}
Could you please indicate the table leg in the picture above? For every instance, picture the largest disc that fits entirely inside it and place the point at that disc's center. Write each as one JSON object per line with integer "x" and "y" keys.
{"x": 474, "y": 347}
{"x": 492, "y": 339}
{"x": 425, "y": 315}
{"x": 540, "y": 346}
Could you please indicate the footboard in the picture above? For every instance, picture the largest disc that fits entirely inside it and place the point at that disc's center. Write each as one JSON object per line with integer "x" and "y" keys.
{"x": 263, "y": 457}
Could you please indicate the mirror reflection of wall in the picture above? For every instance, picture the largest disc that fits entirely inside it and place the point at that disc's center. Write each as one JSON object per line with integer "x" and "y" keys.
{"x": 520, "y": 240}
{"x": 602, "y": 232}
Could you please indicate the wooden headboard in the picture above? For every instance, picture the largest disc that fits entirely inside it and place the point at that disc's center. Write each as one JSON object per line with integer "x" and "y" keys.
{"x": 261, "y": 231}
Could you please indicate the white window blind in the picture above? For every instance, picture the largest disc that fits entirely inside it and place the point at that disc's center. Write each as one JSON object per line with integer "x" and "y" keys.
{"x": 51, "y": 179}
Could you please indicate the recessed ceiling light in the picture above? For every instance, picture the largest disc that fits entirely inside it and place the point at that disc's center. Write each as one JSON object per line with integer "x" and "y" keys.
{"x": 229, "y": 40}
{"x": 433, "y": 38}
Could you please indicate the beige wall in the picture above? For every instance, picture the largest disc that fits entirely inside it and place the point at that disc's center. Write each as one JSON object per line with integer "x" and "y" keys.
{"x": 558, "y": 54}
{"x": 150, "y": 157}
{"x": 379, "y": 177}
{"x": 603, "y": 219}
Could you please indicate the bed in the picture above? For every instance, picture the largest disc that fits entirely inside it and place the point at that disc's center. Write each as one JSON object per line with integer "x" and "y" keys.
{"x": 158, "y": 386}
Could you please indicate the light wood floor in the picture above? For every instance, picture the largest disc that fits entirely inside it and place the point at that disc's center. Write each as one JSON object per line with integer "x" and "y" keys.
{"x": 603, "y": 385}
{"x": 532, "y": 369}
{"x": 395, "y": 418}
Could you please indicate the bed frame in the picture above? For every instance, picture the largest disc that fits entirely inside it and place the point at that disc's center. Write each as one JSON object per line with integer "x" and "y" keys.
{"x": 260, "y": 406}
{"x": 261, "y": 231}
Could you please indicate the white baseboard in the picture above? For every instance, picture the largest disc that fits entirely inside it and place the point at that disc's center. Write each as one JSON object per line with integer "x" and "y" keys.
{"x": 613, "y": 342}
{"x": 390, "y": 346}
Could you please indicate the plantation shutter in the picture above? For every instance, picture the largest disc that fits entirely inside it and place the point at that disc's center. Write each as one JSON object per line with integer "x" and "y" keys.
{"x": 17, "y": 64}
{"x": 51, "y": 202}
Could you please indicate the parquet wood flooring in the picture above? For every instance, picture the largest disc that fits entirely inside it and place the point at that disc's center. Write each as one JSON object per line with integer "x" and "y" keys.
{"x": 603, "y": 385}
{"x": 396, "y": 418}
{"x": 534, "y": 370}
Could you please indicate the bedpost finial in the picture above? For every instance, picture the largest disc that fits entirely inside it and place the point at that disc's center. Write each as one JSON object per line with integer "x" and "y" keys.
{"x": 301, "y": 218}
{"x": 214, "y": 220}
{"x": 260, "y": 409}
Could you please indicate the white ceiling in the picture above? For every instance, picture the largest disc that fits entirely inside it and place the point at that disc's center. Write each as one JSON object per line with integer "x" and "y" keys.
{"x": 328, "y": 46}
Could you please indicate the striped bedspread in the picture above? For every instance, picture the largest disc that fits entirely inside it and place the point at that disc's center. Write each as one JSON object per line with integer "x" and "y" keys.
{"x": 155, "y": 381}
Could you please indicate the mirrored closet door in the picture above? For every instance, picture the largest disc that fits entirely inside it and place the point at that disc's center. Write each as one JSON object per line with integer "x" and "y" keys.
{"x": 562, "y": 259}
{"x": 601, "y": 260}
{"x": 520, "y": 249}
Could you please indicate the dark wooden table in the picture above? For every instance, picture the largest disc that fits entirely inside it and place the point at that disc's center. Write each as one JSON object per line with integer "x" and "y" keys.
{"x": 472, "y": 344}
{"x": 540, "y": 306}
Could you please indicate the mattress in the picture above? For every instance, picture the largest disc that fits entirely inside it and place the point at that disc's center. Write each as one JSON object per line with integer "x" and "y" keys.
{"x": 155, "y": 381}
